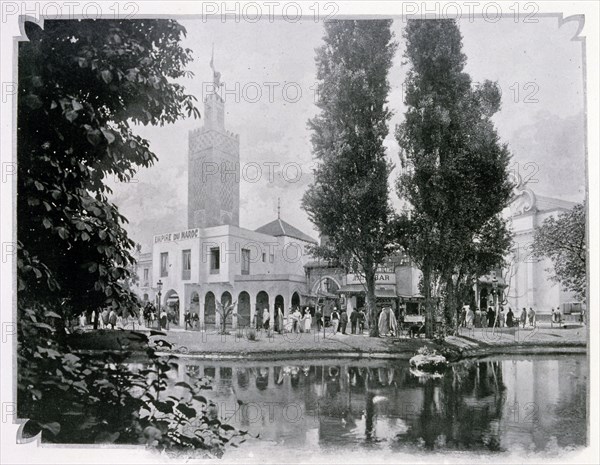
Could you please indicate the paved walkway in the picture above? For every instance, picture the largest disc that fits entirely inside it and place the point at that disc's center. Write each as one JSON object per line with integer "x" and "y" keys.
{"x": 211, "y": 343}
{"x": 542, "y": 334}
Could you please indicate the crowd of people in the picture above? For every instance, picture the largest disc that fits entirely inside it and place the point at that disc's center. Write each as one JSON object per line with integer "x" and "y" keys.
{"x": 497, "y": 319}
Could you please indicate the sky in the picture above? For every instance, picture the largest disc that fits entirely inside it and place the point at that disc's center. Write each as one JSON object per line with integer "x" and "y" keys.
{"x": 269, "y": 77}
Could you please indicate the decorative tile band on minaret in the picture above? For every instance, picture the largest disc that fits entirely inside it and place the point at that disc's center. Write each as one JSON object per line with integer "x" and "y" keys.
{"x": 213, "y": 166}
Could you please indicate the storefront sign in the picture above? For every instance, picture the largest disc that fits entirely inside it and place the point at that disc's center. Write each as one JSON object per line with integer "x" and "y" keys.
{"x": 380, "y": 278}
{"x": 178, "y": 236}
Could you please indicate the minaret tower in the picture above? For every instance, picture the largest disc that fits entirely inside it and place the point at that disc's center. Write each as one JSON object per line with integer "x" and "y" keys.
{"x": 213, "y": 166}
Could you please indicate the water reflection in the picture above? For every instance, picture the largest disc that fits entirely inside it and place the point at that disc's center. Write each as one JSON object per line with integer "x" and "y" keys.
{"x": 492, "y": 405}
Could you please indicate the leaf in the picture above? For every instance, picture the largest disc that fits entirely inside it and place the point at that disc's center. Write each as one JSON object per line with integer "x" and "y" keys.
{"x": 51, "y": 314}
{"x": 53, "y": 427}
{"x": 71, "y": 115}
{"x": 32, "y": 101}
{"x": 76, "y": 105}
{"x": 44, "y": 326}
{"x": 106, "y": 76}
{"x": 108, "y": 135}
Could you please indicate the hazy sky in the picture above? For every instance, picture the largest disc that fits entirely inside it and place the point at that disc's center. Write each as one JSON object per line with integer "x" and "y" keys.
{"x": 538, "y": 67}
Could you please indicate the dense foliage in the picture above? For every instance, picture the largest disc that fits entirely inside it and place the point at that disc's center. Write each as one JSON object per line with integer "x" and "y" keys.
{"x": 562, "y": 239}
{"x": 455, "y": 175}
{"x": 81, "y": 86}
{"x": 104, "y": 398}
{"x": 349, "y": 199}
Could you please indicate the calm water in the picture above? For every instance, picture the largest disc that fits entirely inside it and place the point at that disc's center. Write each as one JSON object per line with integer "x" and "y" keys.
{"x": 535, "y": 404}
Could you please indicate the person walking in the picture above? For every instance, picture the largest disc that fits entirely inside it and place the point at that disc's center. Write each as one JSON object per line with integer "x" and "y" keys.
{"x": 523, "y": 317}
{"x": 362, "y": 317}
{"x": 343, "y": 322}
{"x": 353, "y": 321}
{"x": 384, "y": 322}
{"x": 509, "y": 318}
{"x": 469, "y": 317}
{"x": 501, "y": 318}
{"x": 187, "y": 318}
{"x": 531, "y": 317}
{"x": 296, "y": 318}
{"x": 319, "y": 318}
{"x": 307, "y": 320}
{"x": 265, "y": 318}
{"x": 490, "y": 317}
{"x": 112, "y": 319}
{"x": 335, "y": 320}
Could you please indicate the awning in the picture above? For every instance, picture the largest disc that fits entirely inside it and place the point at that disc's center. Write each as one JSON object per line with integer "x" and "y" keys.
{"x": 172, "y": 300}
{"x": 359, "y": 289}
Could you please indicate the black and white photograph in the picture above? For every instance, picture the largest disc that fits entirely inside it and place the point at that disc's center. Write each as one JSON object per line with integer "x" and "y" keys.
{"x": 299, "y": 232}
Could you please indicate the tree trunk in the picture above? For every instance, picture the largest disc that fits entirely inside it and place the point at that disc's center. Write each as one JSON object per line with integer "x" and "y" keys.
{"x": 429, "y": 312}
{"x": 371, "y": 304}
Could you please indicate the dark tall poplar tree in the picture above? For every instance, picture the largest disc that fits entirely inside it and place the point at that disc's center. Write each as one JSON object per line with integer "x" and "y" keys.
{"x": 349, "y": 199}
{"x": 456, "y": 169}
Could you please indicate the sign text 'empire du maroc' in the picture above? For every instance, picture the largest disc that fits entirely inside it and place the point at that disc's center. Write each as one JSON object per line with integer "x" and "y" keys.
{"x": 178, "y": 236}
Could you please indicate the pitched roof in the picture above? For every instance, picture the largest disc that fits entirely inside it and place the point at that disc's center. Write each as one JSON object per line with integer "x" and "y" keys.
{"x": 279, "y": 227}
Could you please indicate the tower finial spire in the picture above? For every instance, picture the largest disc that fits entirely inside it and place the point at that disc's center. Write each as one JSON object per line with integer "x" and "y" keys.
{"x": 278, "y": 208}
{"x": 216, "y": 74}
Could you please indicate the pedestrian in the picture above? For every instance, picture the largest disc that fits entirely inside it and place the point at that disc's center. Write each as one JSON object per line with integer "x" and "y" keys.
{"x": 490, "y": 317}
{"x": 509, "y": 318}
{"x": 501, "y": 318}
{"x": 353, "y": 321}
{"x": 393, "y": 322}
{"x": 296, "y": 318}
{"x": 319, "y": 318}
{"x": 469, "y": 317}
{"x": 531, "y": 317}
{"x": 163, "y": 319}
{"x": 343, "y": 321}
{"x": 307, "y": 320}
{"x": 187, "y": 318}
{"x": 265, "y": 318}
{"x": 82, "y": 321}
{"x": 112, "y": 319}
{"x": 384, "y": 322}
{"x": 362, "y": 318}
{"x": 104, "y": 319}
{"x": 523, "y": 316}
{"x": 195, "y": 321}
{"x": 463, "y": 317}
{"x": 335, "y": 320}
{"x": 279, "y": 321}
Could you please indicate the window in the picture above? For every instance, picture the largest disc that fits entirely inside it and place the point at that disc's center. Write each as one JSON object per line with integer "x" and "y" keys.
{"x": 164, "y": 264}
{"x": 186, "y": 264}
{"x": 264, "y": 257}
{"x": 245, "y": 261}
{"x": 146, "y": 276}
{"x": 215, "y": 260}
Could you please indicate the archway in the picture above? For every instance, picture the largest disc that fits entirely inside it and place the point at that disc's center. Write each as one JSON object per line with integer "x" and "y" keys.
{"x": 243, "y": 309}
{"x": 209, "y": 309}
{"x": 262, "y": 302}
{"x": 295, "y": 300}
{"x": 279, "y": 303}
{"x": 226, "y": 301}
{"x": 171, "y": 306}
{"x": 195, "y": 306}
{"x": 483, "y": 299}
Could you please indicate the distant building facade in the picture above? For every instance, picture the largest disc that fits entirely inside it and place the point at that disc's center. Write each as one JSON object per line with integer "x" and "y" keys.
{"x": 528, "y": 281}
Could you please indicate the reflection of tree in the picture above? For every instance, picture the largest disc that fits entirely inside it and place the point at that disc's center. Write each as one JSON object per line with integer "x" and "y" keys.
{"x": 460, "y": 410}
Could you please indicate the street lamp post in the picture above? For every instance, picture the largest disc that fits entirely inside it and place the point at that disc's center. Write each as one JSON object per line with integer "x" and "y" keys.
{"x": 159, "y": 285}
